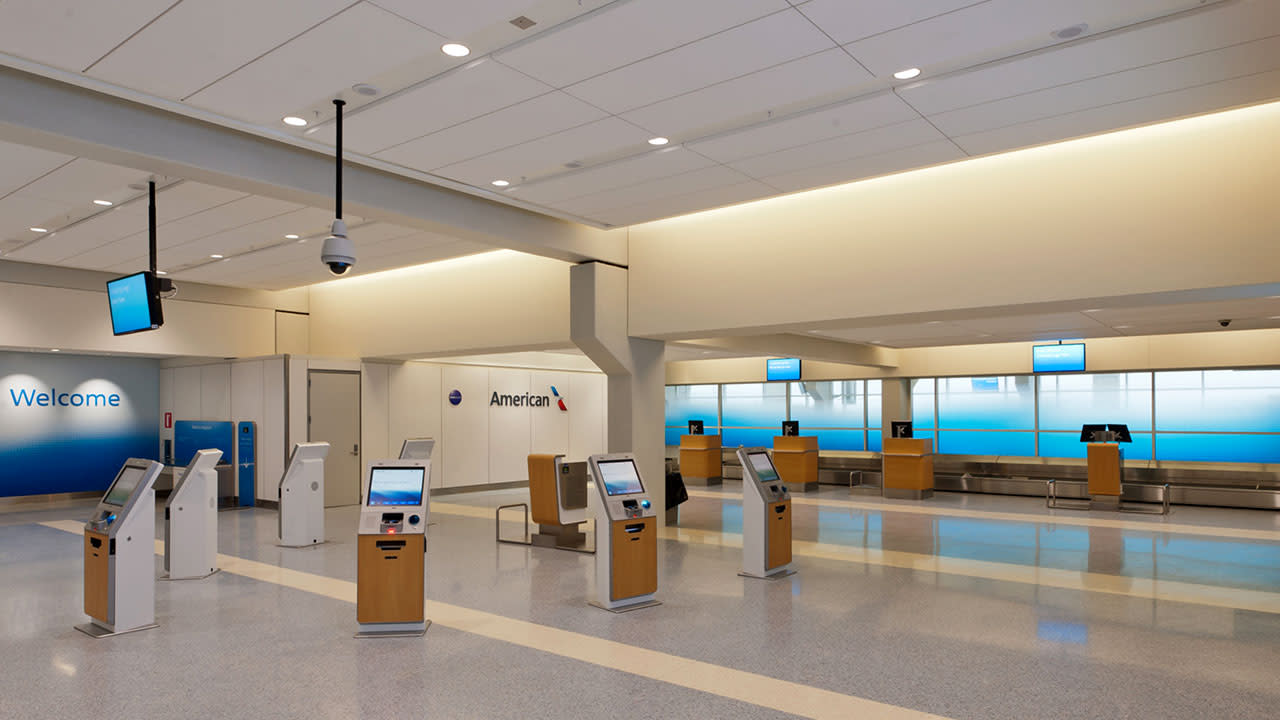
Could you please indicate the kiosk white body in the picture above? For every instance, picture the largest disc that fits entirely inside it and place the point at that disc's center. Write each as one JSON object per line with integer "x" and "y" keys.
{"x": 417, "y": 448}
{"x": 120, "y": 553}
{"x": 191, "y": 520}
{"x": 391, "y": 547}
{"x": 626, "y": 535}
{"x": 766, "y": 516}
{"x": 301, "y": 517}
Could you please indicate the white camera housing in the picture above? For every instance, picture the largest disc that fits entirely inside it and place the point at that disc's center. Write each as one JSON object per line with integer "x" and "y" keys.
{"x": 338, "y": 253}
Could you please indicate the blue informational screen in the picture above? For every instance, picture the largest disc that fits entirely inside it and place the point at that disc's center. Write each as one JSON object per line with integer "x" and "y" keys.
{"x": 131, "y": 304}
{"x": 620, "y": 477}
{"x": 396, "y": 485}
{"x": 1057, "y": 358}
{"x": 782, "y": 369}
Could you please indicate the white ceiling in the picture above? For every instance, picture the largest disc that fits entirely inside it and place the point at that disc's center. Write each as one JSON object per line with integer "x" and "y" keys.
{"x": 759, "y": 97}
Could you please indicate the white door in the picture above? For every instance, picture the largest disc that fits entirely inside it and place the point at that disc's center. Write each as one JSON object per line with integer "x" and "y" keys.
{"x": 334, "y": 417}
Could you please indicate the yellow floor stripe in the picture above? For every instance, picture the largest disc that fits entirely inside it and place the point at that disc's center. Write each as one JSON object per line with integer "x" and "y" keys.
{"x": 1156, "y": 526}
{"x": 761, "y": 690}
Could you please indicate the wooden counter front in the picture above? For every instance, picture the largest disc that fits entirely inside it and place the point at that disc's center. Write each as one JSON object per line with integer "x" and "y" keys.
{"x": 389, "y": 580}
{"x": 908, "y": 464}
{"x": 701, "y": 458}
{"x": 635, "y": 558}
{"x": 97, "y": 569}
{"x": 1105, "y": 468}
{"x": 796, "y": 459}
{"x": 542, "y": 490}
{"x": 779, "y": 532}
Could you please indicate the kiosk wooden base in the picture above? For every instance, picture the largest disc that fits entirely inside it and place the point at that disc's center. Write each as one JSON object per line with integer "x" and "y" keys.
{"x": 389, "y": 585}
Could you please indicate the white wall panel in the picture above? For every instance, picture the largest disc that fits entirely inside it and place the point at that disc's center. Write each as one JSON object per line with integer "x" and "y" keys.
{"x": 248, "y": 404}
{"x": 465, "y": 426}
{"x": 587, "y": 415}
{"x": 186, "y": 393}
{"x": 375, "y": 393}
{"x": 215, "y": 392}
{"x": 509, "y": 427}
{"x": 272, "y": 453}
{"x": 414, "y": 409}
{"x": 549, "y": 426}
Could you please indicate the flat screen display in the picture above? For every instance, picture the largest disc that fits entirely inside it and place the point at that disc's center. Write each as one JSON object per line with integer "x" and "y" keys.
{"x": 782, "y": 369}
{"x": 1057, "y": 358}
{"x": 620, "y": 477}
{"x": 396, "y": 485}
{"x": 134, "y": 304}
{"x": 763, "y": 466}
{"x": 123, "y": 487}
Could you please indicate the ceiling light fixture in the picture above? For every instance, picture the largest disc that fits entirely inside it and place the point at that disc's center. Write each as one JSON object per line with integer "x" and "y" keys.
{"x": 907, "y": 74}
{"x": 54, "y": 350}
{"x": 216, "y": 257}
{"x": 658, "y": 141}
{"x": 455, "y": 50}
{"x": 501, "y": 183}
{"x": 291, "y": 236}
{"x": 1123, "y": 327}
{"x": 38, "y": 230}
{"x": 294, "y": 121}
{"x": 161, "y": 272}
{"x": 103, "y": 203}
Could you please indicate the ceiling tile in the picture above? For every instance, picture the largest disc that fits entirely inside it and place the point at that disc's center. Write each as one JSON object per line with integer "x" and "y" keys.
{"x": 548, "y": 154}
{"x": 752, "y": 98}
{"x": 855, "y": 116}
{"x": 19, "y": 213}
{"x": 624, "y": 32}
{"x": 82, "y": 181}
{"x": 71, "y": 34}
{"x": 919, "y": 156}
{"x": 844, "y": 147}
{"x": 196, "y": 43}
{"x": 849, "y": 21}
{"x": 476, "y": 88}
{"x": 738, "y": 51}
{"x": 456, "y": 20}
{"x": 350, "y": 48}
{"x": 543, "y": 115}
{"x": 647, "y": 166}
{"x": 20, "y": 164}
{"x": 671, "y": 186}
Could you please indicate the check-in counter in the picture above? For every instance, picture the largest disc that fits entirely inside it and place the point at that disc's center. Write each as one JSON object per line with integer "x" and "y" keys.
{"x": 1106, "y": 470}
{"x": 796, "y": 458}
{"x": 701, "y": 461}
{"x": 908, "y": 468}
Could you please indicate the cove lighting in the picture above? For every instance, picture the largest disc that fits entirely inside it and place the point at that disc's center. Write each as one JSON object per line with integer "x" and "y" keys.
{"x": 103, "y": 203}
{"x": 501, "y": 183}
{"x": 291, "y": 236}
{"x": 455, "y": 50}
{"x": 294, "y": 121}
{"x": 658, "y": 141}
{"x": 907, "y": 74}
{"x": 39, "y": 230}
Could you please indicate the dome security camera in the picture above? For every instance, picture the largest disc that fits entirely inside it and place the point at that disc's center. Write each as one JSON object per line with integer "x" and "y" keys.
{"x": 339, "y": 253}
{"x": 1224, "y": 323}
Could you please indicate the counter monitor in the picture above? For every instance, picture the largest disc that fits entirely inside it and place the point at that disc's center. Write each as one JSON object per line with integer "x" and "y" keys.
{"x": 396, "y": 485}
{"x": 620, "y": 477}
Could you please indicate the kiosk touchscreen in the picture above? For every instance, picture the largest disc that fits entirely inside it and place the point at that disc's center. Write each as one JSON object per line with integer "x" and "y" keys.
{"x": 301, "y": 517}
{"x": 191, "y": 520}
{"x": 766, "y": 517}
{"x": 390, "y": 573}
{"x": 119, "y": 554}
{"x": 417, "y": 449}
{"x": 626, "y": 535}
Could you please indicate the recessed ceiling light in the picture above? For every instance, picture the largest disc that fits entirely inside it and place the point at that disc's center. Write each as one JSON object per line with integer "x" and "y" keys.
{"x": 1274, "y": 317}
{"x": 1123, "y": 327}
{"x": 658, "y": 141}
{"x": 216, "y": 257}
{"x": 103, "y": 203}
{"x": 365, "y": 89}
{"x": 291, "y": 236}
{"x": 455, "y": 50}
{"x": 295, "y": 121}
{"x": 501, "y": 183}
{"x": 39, "y": 230}
{"x": 1094, "y": 310}
{"x": 907, "y": 74}
{"x": 161, "y": 272}
{"x": 1073, "y": 31}
{"x": 54, "y": 350}
{"x": 934, "y": 322}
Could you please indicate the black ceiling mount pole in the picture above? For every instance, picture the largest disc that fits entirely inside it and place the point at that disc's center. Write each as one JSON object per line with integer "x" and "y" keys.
{"x": 337, "y": 154}
{"x": 151, "y": 221}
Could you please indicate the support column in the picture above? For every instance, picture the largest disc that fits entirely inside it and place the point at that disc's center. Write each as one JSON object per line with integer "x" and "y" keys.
{"x": 895, "y": 404}
{"x": 634, "y": 367}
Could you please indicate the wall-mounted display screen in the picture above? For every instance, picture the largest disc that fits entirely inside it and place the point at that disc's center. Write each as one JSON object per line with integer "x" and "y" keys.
{"x": 396, "y": 485}
{"x": 620, "y": 477}
{"x": 782, "y": 369}
{"x": 135, "y": 304}
{"x": 123, "y": 487}
{"x": 1057, "y": 358}
{"x": 763, "y": 466}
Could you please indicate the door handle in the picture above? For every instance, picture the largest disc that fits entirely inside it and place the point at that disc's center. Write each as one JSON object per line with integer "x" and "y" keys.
{"x": 355, "y": 449}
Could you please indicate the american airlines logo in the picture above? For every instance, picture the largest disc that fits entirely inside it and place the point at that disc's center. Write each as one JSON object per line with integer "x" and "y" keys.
{"x": 527, "y": 400}
{"x": 559, "y": 400}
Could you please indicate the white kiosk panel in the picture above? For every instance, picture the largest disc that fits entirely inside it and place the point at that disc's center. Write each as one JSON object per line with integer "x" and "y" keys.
{"x": 301, "y": 518}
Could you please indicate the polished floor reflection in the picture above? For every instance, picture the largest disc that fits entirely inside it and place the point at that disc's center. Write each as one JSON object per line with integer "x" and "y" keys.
{"x": 962, "y": 607}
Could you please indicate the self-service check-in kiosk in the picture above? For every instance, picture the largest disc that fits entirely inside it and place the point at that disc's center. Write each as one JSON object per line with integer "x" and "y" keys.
{"x": 417, "y": 448}
{"x": 191, "y": 520}
{"x": 390, "y": 573}
{"x": 626, "y": 535}
{"x": 120, "y": 554}
{"x": 766, "y": 517}
{"x": 301, "y": 517}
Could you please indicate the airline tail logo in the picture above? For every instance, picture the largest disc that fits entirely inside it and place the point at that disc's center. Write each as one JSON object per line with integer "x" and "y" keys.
{"x": 559, "y": 400}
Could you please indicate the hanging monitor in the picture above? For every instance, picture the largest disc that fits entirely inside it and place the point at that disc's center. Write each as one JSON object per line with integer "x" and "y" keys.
{"x": 1067, "y": 357}
{"x": 782, "y": 369}
{"x": 135, "y": 303}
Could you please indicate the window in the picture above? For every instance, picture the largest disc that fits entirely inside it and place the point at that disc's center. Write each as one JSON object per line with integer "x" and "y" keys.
{"x": 753, "y": 413}
{"x": 691, "y": 402}
{"x": 987, "y": 415}
{"x": 1069, "y": 401}
{"x": 832, "y": 410}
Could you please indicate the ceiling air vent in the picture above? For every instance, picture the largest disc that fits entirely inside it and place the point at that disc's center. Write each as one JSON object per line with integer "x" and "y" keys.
{"x": 523, "y": 22}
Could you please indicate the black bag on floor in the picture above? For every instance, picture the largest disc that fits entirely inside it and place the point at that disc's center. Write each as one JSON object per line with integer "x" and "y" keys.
{"x": 676, "y": 492}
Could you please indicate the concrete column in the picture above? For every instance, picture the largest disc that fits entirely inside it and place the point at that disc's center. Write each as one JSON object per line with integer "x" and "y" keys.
{"x": 634, "y": 366}
{"x": 895, "y": 404}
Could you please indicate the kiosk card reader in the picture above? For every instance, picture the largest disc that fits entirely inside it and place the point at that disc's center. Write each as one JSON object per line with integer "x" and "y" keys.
{"x": 390, "y": 574}
{"x": 766, "y": 517}
{"x": 301, "y": 516}
{"x": 191, "y": 520}
{"x": 626, "y": 535}
{"x": 120, "y": 554}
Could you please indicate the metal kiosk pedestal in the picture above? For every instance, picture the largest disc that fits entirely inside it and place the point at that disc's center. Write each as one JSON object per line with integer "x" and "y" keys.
{"x": 766, "y": 517}
{"x": 191, "y": 520}
{"x": 391, "y": 547}
{"x": 626, "y": 535}
{"x": 120, "y": 554}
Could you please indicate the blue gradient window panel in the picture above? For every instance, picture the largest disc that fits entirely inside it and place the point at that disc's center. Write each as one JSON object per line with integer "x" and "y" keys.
{"x": 976, "y": 442}
{"x": 987, "y": 403}
{"x": 693, "y": 402}
{"x": 874, "y": 403}
{"x": 1068, "y": 445}
{"x": 1217, "y": 447}
{"x": 1218, "y": 401}
{"x": 922, "y": 403}
{"x": 836, "y": 439}
{"x": 749, "y": 437}
{"x": 828, "y": 404}
{"x": 760, "y": 405}
{"x": 1069, "y": 401}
